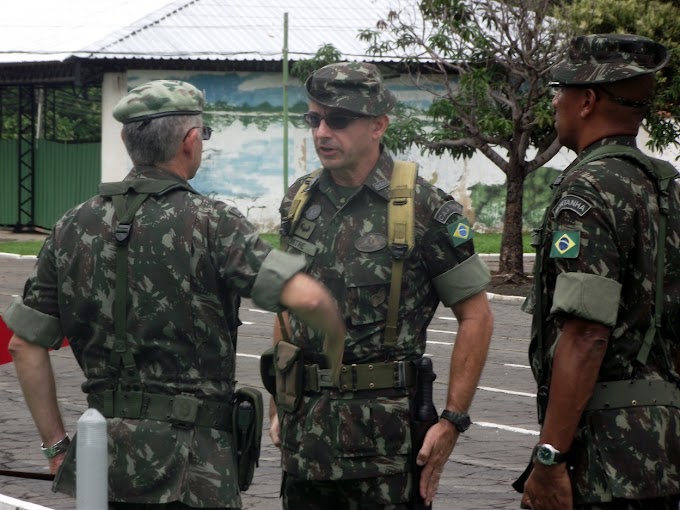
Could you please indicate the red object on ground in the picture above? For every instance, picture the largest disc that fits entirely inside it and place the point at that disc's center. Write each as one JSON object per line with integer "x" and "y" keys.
{"x": 5, "y": 335}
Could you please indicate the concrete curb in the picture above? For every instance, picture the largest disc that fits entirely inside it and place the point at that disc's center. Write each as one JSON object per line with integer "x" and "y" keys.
{"x": 7, "y": 503}
{"x": 15, "y": 256}
{"x": 502, "y": 297}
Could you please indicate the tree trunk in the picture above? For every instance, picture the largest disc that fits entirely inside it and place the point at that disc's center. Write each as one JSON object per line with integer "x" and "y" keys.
{"x": 511, "y": 256}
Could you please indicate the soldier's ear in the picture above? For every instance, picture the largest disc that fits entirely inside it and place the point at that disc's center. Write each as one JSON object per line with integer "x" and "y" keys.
{"x": 589, "y": 101}
{"x": 380, "y": 125}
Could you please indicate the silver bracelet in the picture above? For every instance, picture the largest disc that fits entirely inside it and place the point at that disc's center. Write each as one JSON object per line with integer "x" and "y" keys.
{"x": 57, "y": 448}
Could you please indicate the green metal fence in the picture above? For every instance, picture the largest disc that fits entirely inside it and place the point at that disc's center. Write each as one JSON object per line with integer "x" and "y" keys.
{"x": 65, "y": 175}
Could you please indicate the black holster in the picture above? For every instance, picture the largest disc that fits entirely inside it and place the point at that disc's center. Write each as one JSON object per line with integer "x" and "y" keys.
{"x": 423, "y": 416}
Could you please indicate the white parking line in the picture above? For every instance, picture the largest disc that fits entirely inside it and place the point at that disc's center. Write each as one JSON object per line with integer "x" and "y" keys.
{"x": 498, "y": 426}
{"x": 507, "y": 392}
{"x": 448, "y": 318}
{"x": 257, "y": 310}
{"x": 248, "y": 355}
{"x": 514, "y": 365}
{"x": 441, "y": 331}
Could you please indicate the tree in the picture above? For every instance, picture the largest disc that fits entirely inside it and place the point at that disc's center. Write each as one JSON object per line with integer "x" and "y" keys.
{"x": 657, "y": 19}
{"x": 486, "y": 64}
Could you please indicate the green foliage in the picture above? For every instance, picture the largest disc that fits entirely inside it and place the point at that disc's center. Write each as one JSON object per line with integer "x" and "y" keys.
{"x": 491, "y": 61}
{"x": 67, "y": 114}
{"x": 325, "y": 55}
{"x": 657, "y": 19}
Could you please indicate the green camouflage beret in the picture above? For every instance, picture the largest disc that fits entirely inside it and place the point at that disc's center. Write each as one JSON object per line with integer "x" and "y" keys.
{"x": 353, "y": 86}
{"x": 595, "y": 59}
{"x": 159, "y": 98}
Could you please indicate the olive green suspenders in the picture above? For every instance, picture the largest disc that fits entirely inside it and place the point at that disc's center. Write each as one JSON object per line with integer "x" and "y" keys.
{"x": 400, "y": 230}
{"x": 136, "y": 191}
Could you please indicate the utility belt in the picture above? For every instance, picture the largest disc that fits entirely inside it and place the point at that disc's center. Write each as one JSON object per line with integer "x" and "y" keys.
{"x": 181, "y": 410}
{"x": 634, "y": 393}
{"x": 361, "y": 376}
{"x": 286, "y": 376}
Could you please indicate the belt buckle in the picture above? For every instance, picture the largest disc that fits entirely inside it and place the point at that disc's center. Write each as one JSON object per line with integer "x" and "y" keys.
{"x": 399, "y": 374}
{"x": 184, "y": 411}
{"x": 324, "y": 378}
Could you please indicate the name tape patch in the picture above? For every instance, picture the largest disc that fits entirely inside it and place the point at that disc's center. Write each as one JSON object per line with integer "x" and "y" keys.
{"x": 445, "y": 211}
{"x": 572, "y": 203}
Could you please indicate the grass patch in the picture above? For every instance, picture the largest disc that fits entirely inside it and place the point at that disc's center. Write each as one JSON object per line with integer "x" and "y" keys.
{"x": 484, "y": 243}
{"x": 491, "y": 243}
{"x": 21, "y": 247}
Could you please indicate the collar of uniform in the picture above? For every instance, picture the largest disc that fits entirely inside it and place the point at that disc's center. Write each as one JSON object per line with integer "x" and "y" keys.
{"x": 377, "y": 181}
{"x": 153, "y": 172}
{"x": 628, "y": 141}
{"x": 611, "y": 140}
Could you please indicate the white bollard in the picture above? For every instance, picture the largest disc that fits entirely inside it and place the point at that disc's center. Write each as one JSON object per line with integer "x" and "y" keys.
{"x": 92, "y": 462}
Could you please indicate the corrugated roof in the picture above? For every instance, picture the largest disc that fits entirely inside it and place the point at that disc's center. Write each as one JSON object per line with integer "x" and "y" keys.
{"x": 246, "y": 30}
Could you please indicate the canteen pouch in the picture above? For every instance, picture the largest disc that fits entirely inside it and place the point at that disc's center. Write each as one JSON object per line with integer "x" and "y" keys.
{"x": 267, "y": 372}
{"x": 289, "y": 367}
{"x": 247, "y": 416}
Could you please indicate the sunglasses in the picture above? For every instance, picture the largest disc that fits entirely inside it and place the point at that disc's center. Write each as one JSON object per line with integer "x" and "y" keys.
{"x": 206, "y": 132}
{"x": 333, "y": 120}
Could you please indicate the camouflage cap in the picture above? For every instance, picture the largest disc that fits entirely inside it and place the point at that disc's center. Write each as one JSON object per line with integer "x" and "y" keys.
{"x": 353, "y": 86}
{"x": 159, "y": 98}
{"x": 595, "y": 59}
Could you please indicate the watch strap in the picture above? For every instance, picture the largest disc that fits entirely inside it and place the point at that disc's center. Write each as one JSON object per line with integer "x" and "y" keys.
{"x": 57, "y": 448}
{"x": 461, "y": 421}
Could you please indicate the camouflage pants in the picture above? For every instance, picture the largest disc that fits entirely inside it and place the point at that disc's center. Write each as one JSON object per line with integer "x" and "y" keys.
{"x": 175, "y": 505}
{"x": 380, "y": 493}
{"x": 667, "y": 503}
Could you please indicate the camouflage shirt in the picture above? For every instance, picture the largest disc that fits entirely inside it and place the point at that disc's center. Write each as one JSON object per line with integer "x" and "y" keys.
{"x": 598, "y": 255}
{"x": 343, "y": 234}
{"x": 190, "y": 258}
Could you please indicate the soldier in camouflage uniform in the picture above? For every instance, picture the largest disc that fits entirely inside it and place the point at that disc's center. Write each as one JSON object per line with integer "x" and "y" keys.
{"x": 610, "y": 436}
{"x": 189, "y": 258}
{"x": 345, "y": 449}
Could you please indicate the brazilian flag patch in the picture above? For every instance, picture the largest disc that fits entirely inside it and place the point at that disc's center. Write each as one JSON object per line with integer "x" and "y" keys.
{"x": 565, "y": 244}
{"x": 460, "y": 232}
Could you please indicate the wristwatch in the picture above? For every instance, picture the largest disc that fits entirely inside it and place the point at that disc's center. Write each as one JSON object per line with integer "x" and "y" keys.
{"x": 59, "y": 447}
{"x": 548, "y": 455}
{"x": 459, "y": 420}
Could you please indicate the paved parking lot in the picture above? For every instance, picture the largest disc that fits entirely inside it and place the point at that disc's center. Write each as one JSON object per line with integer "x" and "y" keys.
{"x": 486, "y": 460}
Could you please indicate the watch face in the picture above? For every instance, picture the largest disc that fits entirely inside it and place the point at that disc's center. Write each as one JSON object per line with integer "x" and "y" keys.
{"x": 546, "y": 454}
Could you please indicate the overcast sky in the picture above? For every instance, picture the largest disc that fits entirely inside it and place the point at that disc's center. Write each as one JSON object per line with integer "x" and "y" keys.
{"x": 66, "y": 25}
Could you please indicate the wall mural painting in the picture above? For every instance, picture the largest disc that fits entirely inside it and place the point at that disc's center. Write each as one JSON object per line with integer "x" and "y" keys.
{"x": 243, "y": 161}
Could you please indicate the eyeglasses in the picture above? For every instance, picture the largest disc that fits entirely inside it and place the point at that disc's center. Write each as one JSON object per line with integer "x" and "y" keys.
{"x": 206, "y": 132}
{"x": 333, "y": 120}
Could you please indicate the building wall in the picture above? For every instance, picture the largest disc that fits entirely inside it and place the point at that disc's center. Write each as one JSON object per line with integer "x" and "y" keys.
{"x": 243, "y": 161}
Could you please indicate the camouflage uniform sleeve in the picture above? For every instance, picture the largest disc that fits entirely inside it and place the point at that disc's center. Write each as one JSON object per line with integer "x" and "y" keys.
{"x": 276, "y": 270}
{"x": 35, "y": 316}
{"x": 238, "y": 250}
{"x": 586, "y": 236}
{"x": 457, "y": 272}
{"x": 249, "y": 264}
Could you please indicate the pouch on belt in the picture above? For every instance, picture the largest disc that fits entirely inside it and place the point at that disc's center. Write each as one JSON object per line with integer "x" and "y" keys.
{"x": 247, "y": 416}
{"x": 289, "y": 367}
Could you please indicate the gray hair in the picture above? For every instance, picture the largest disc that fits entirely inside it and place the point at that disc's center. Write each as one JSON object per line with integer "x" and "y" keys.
{"x": 157, "y": 141}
